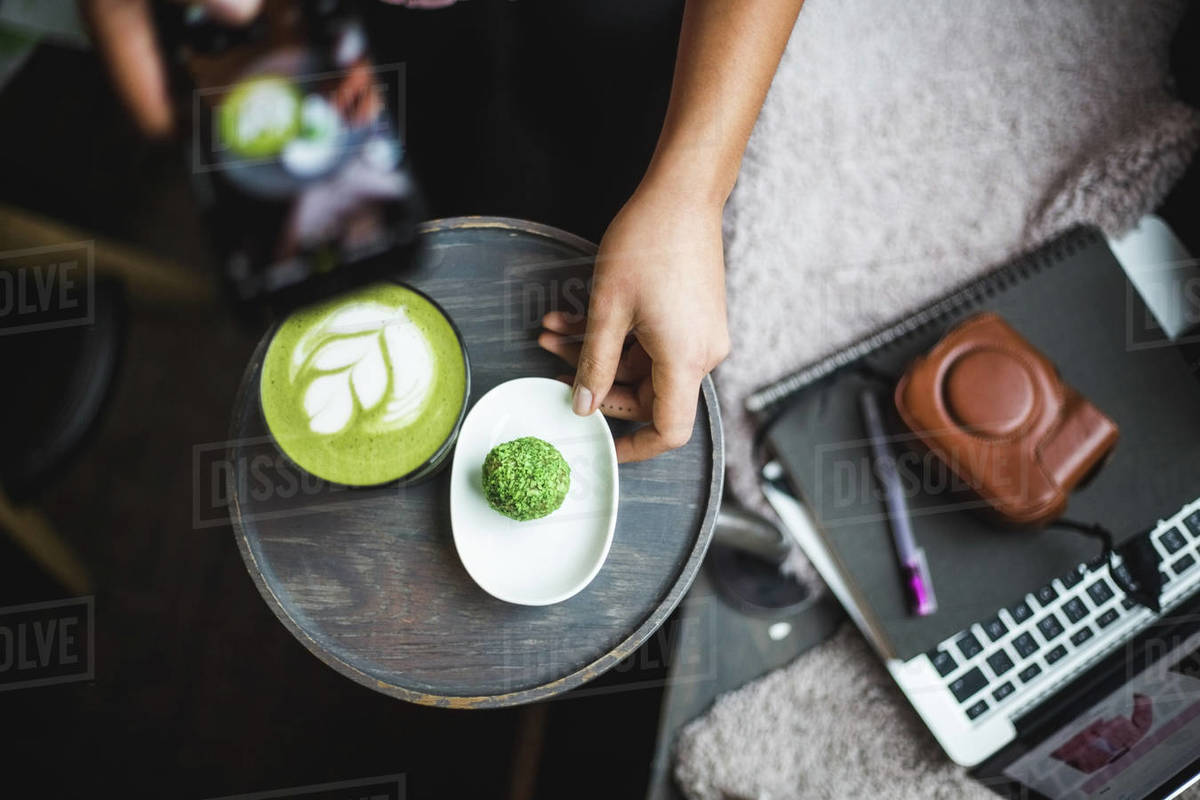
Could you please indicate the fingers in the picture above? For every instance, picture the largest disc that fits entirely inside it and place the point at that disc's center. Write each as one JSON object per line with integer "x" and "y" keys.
{"x": 125, "y": 36}
{"x": 676, "y": 392}
{"x": 603, "y": 342}
{"x": 565, "y": 322}
{"x": 565, "y": 347}
{"x": 664, "y": 396}
{"x": 635, "y": 403}
{"x": 633, "y": 366}
{"x": 632, "y": 403}
{"x": 357, "y": 97}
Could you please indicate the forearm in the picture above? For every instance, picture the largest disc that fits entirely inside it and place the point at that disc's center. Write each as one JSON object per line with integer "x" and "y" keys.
{"x": 728, "y": 53}
{"x": 660, "y": 269}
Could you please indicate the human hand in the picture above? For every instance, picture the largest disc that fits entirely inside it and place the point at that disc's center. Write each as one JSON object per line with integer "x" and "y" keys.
{"x": 660, "y": 275}
{"x": 123, "y": 31}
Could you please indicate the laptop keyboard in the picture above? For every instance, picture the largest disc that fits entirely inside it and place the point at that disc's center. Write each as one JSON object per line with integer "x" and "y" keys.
{"x": 1021, "y": 652}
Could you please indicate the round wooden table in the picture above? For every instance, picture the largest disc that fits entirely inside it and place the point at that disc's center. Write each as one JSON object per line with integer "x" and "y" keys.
{"x": 369, "y": 580}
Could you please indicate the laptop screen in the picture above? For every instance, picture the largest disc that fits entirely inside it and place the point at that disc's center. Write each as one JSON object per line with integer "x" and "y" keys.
{"x": 1131, "y": 743}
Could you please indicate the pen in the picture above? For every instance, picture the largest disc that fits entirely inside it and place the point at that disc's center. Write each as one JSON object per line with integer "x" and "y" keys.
{"x": 912, "y": 558}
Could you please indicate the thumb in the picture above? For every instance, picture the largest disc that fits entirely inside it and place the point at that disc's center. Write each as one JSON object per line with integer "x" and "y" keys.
{"x": 602, "y": 344}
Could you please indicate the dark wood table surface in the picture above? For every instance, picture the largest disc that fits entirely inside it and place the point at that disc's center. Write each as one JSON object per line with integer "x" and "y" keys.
{"x": 369, "y": 580}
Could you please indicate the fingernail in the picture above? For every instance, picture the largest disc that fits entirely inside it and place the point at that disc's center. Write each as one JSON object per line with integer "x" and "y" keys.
{"x": 582, "y": 400}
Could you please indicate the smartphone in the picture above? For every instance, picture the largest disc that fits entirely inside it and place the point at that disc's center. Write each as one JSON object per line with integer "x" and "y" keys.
{"x": 295, "y": 143}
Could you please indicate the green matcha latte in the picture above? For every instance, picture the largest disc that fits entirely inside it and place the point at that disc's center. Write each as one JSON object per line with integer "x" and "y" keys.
{"x": 365, "y": 388}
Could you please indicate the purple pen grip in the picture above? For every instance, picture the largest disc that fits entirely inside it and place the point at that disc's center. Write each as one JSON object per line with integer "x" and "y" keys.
{"x": 923, "y": 603}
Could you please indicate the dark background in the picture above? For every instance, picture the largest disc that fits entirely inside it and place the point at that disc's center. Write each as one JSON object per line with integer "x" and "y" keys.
{"x": 546, "y": 111}
{"x": 540, "y": 110}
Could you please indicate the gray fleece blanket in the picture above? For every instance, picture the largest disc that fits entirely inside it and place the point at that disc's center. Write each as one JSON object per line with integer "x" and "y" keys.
{"x": 905, "y": 148}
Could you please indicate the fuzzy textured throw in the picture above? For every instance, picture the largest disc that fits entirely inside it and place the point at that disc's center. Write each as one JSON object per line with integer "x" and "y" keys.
{"x": 905, "y": 148}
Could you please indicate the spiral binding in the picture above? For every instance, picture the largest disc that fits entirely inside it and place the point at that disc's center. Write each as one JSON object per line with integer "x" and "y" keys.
{"x": 948, "y": 307}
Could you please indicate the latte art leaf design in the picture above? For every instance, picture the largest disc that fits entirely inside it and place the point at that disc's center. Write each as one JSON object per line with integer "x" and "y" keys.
{"x": 369, "y": 360}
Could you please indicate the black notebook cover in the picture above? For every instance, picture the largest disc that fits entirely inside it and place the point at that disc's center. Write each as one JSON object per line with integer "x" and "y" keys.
{"x": 1072, "y": 300}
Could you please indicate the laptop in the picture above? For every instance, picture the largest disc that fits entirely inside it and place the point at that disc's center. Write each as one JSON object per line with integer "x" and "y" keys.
{"x": 1037, "y": 671}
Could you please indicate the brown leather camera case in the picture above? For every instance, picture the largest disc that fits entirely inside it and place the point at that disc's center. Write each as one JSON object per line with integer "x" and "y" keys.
{"x": 995, "y": 410}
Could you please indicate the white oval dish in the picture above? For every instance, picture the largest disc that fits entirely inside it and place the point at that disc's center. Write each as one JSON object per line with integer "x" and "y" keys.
{"x": 542, "y": 561}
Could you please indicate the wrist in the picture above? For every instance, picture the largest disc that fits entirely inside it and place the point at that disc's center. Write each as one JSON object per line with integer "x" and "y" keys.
{"x": 689, "y": 176}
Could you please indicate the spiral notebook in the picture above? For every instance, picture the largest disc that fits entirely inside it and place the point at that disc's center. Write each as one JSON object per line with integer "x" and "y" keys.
{"x": 1072, "y": 300}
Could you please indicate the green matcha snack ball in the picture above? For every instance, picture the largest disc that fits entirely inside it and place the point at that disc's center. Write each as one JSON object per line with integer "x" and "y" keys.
{"x": 526, "y": 478}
